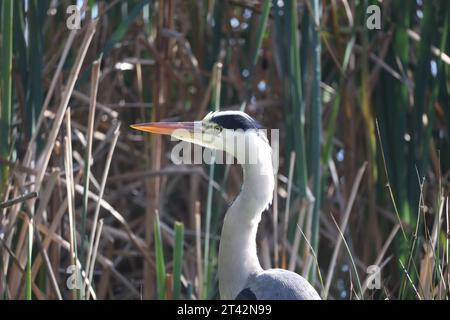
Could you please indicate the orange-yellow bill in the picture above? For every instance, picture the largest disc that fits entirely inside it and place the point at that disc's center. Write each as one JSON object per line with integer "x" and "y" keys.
{"x": 163, "y": 127}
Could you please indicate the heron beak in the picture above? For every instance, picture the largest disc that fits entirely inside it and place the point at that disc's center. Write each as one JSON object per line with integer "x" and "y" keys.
{"x": 167, "y": 128}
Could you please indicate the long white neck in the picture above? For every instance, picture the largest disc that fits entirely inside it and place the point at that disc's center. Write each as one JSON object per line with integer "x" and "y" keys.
{"x": 237, "y": 251}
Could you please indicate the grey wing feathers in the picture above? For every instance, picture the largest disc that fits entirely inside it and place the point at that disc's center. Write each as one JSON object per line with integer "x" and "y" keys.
{"x": 279, "y": 284}
{"x": 246, "y": 294}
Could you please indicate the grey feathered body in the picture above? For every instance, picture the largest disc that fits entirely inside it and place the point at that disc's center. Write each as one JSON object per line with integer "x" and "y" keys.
{"x": 279, "y": 284}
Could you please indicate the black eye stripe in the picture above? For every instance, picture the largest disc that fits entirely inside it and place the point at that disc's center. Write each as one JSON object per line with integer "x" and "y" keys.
{"x": 236, "y": 121}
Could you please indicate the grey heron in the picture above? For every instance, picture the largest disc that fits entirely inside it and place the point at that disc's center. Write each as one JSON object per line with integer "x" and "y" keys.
{"x": 240, "y": 273}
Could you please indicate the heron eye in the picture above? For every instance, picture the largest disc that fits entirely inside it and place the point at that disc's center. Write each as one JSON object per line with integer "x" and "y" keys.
{"x": 218, "y": 129}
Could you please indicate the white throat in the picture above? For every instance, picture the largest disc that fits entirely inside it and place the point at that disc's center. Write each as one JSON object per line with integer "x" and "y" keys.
{"x": 237, "y": 252}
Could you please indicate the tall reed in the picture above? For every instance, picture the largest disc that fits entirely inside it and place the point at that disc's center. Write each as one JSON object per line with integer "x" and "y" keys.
{"x": 6, "y": 48}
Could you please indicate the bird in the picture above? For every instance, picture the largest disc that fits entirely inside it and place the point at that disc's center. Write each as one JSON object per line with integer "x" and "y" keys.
{"x": 240, "y": 274}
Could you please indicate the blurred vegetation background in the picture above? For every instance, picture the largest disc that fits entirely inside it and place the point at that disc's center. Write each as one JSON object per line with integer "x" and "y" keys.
{"x": 364, "y": 160}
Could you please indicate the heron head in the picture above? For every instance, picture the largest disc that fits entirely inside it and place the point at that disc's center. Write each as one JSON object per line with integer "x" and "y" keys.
{"x": 223, "y": 130}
